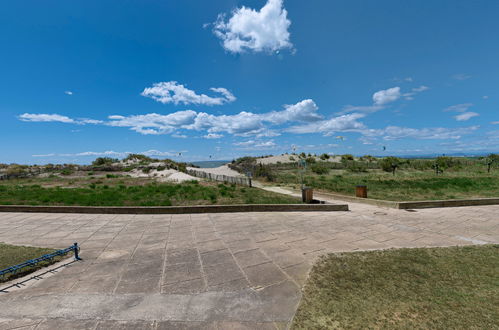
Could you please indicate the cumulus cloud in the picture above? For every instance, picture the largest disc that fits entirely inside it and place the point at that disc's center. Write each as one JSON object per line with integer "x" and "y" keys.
{"x": 305, "y": 111}
{"x": 466, "y": 116}
{"x": 330, "y": 126}
{"x": 43, "y": 117}
{"x": 381, "y": 99}
{"x": 247, "y": 124}
{"x": 153, "y": 123}
{"x": 173, "y": 92}
{"x": 68, "y": 92}
{"x": 255, "y": 30}
{"x": 386, "y": 96}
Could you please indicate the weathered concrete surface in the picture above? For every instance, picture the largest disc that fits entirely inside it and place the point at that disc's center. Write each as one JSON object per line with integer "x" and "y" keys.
{"x": 214, "y": 271}
{"x": 338, "y": 206}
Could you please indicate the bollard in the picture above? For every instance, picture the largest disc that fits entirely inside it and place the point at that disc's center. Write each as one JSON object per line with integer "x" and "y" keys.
{"x": 307, "y": 195}
{"x": 76, "y": 248}
{"x": 361, "y": 191}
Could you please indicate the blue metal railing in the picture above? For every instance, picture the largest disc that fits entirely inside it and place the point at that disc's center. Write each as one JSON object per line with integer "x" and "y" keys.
{"x": 14, "y": 269}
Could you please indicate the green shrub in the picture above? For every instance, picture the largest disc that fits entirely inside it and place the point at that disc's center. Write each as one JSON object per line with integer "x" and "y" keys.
{"x": 356, "y": 167}
{"x": 104, "y": 161}
{"x": 310, "y": 160}
{"x": 390, "y": 164}
{"x": 346, "y": 157}
{"x": 320, "y": 168}
{"x": 66, "y": 171}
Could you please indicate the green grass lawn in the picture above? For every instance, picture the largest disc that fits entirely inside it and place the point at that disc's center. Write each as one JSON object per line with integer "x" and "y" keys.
{"x": 114, "y": 193}
{"x": 437, "y": 288}
{"x": 11, "y": 255}
{"x": 405, "y": 185}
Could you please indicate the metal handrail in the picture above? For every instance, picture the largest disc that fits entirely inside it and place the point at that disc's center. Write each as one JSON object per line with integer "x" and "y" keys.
{"x": 14, "y": 269}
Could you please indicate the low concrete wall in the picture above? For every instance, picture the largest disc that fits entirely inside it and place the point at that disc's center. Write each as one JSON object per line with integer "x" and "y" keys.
{"x": 177, "y": 209}
{"x": 448, "y": 203}
{"x": 376, "y": 202}
{"x": 414, "y": 204}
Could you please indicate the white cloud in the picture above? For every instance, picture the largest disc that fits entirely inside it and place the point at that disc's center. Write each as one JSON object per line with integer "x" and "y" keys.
{"x": 330, "y": 126}
{"x": 463, "y": 107}
{"x": 242, "y": 124}
{"x": 305, "y": 111}
{"x": 89, "y": 121}
{"x": 42, "y": 117}
{"x": 466, "y": 116}
{"x": 256, "y": 145}
{"x": 410, "y": 96}
{"x": 68, "y": 92}
{"x": 153, "y": 123}
{"x": 111, "y": 153}
{"x": 380, "y": 100}
{"x": 495, "y": 123}
{"x": 461, "y": 76}
{"x": 420, "y": 89}
{"x": 213, "y": 136}
{"x": 173, "y": 92}
{"x": 434, "y": 133}
{"x": 249, "y": 29}
{"x": 386, "y": 96}
{"x": 248, "y": 123}
{"x": 179, "y": 136}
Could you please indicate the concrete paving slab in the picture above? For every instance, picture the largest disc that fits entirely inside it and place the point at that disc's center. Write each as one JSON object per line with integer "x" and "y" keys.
{"x": 217, "y": 271}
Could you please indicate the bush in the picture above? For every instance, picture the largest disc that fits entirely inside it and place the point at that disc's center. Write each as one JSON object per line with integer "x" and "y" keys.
{"x": 346, "y": 157}
{"x": 324, "y": 156}
{"x": 320, "y": 168}
{"x": 264, "y": 171}
{"x": 356, "y": 167}
{"x": 139, "y": 157}
{"x": 66, "y": 171}
{"x": 310, "y": 160}
{"x": 104, "y": 161}
{"x": 390, "y": 164}
{"x": 15, "y": 169}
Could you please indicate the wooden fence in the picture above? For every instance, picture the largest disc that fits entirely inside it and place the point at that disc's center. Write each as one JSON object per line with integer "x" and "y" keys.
{"x": 241, "y": 180}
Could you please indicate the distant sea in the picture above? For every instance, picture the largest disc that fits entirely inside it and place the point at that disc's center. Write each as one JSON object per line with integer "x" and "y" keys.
{"x": 211, "y": 163}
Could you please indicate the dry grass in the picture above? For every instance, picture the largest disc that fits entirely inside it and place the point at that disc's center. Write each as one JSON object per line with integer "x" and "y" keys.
{"x": 437, "y": 288}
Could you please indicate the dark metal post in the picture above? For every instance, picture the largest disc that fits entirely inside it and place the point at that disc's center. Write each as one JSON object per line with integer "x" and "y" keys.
{"x": 76, "y": 248}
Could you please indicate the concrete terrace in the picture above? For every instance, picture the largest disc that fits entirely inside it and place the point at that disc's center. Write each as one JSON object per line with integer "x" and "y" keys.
{"x": 207, "y": 271}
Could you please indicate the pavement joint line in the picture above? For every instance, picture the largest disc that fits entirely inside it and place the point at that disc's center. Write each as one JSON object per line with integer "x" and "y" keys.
{"x": 203, "y": 273}
{"x": 165, "y": 257}
{"x": 131, "y": 257}
{"x": 242, "y": 251}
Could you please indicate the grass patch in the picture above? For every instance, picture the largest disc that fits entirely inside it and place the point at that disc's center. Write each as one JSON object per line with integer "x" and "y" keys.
{"x": 114, "y": 192}
{"x": 11, "y": 255}
{"x": 405, "y": 185}
{"x": 437, "y": 288}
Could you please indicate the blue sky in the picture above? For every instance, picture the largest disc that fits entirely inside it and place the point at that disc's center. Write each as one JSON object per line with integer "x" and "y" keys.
{"x": 190, "y": 80}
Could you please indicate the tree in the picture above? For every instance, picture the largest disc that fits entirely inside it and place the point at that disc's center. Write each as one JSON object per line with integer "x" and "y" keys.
{"x": 390, "y": 164}
{"x": 324, "y": 156}
{"x": 490, "y": 160}
{"x": 104, "y": 161}
{"x": 346, "y": 157}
